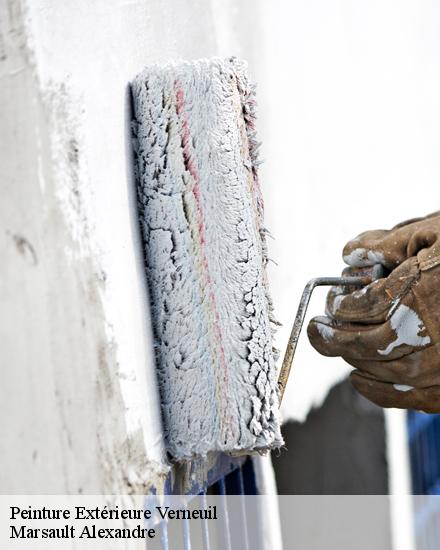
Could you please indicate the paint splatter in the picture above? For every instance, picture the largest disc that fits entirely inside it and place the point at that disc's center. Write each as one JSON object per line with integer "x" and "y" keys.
{"x": 325, "y": 331}
{"x": 361, "y": 257}
{"x": 407, "y": 326}
{"x": 402, "y": 387}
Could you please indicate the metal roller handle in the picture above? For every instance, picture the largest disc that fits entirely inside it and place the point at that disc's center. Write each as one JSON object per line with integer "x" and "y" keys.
{"x": 299, "y": 320}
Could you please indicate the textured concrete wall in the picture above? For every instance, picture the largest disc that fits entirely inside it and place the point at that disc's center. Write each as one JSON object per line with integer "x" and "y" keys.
{"x": 78, "y": 385}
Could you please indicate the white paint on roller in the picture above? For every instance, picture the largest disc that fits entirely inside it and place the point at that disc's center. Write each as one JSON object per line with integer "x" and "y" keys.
{"x": 407, "y": 325}
{"x": 201, "y": 216}
{"x": 403, "y": 387}
{"x": 361, "y": 257}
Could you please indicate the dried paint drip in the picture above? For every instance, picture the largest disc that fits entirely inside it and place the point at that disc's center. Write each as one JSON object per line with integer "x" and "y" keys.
{"x": 201, "y": 216}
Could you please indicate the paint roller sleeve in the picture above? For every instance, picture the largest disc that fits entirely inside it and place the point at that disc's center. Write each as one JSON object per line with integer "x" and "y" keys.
{"x": 201, "y": 219}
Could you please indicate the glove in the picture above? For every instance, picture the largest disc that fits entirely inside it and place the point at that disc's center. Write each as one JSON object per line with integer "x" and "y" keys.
{"x": 389, "y": 330}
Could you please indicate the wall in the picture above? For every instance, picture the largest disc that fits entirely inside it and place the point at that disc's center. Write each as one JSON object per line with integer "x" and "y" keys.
{"x": 349, "y": 116}
{"x": 78, "y": 384}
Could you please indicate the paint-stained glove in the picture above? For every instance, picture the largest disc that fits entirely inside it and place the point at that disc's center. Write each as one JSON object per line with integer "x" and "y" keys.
{"x": 390, "y": 330}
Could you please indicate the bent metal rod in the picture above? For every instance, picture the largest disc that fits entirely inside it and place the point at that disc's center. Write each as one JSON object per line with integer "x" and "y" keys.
{"x": 299, "y": 321}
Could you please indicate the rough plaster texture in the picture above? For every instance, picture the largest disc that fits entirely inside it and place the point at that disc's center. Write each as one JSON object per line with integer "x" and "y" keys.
{"x": 67, "y": 428}
{"x": 201, "y": 214}
{"x": 78, "y": 383}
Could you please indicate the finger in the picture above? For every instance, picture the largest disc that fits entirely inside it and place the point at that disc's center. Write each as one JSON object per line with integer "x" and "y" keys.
{"x": 423, "y": 240}
{"x": 372, "y": 303}
{"x": 409, "y": 370}
{"x": 388, "y": 395}
{"x": 368, "y": 305}
{"x": 403, "y": 333}
{"x": 414, "y": 220}
{"x": 426, "y": 246}
{"x": 336, "y": 293}
{"x": 366, "y": 249}
{"x": 389, "y": 248}
{"x": 348, "y": 340}
{"x": 376, "y": 271}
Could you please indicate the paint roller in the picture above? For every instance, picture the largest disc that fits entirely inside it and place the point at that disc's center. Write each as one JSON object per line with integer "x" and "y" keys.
{"x": 201, "y": 217}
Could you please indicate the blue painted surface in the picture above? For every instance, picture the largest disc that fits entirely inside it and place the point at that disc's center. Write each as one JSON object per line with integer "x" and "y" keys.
{"x": 227, "y": 476}
{"x": 424, "y": 446}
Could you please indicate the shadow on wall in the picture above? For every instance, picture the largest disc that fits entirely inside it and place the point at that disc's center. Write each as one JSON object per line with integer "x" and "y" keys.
{"x": 340, "y": 449}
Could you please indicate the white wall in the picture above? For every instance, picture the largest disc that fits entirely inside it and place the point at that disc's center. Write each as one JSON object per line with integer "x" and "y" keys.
{"x": 350, "y": 111}
{"x": 78, "y": 384}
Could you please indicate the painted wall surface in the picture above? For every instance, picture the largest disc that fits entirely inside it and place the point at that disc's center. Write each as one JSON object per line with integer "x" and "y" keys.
{"x": 78, "y": 383}
{"x": 349, "y": 113}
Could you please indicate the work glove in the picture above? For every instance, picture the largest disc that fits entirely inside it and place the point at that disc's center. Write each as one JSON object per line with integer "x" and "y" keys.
{"x": 390, "y": 329}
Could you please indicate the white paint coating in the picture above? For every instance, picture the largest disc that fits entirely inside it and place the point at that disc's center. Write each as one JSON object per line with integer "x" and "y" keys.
{"x": 362, "y": 291}
{"x": 403, "y": 387}
{"x": 325, "y": 331}
{"x": 206, "y": 256}
{"x": 407, "y": 325}
{"x": 337, "y": 302}
{"x": 361, "y": 257}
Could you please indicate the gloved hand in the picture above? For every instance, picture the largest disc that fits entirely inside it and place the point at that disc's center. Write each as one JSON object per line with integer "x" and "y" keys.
{"x": 390, "y": 330}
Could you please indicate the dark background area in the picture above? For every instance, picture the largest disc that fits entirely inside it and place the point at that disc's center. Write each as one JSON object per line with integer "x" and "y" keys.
{"x": 339, "y": 449}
